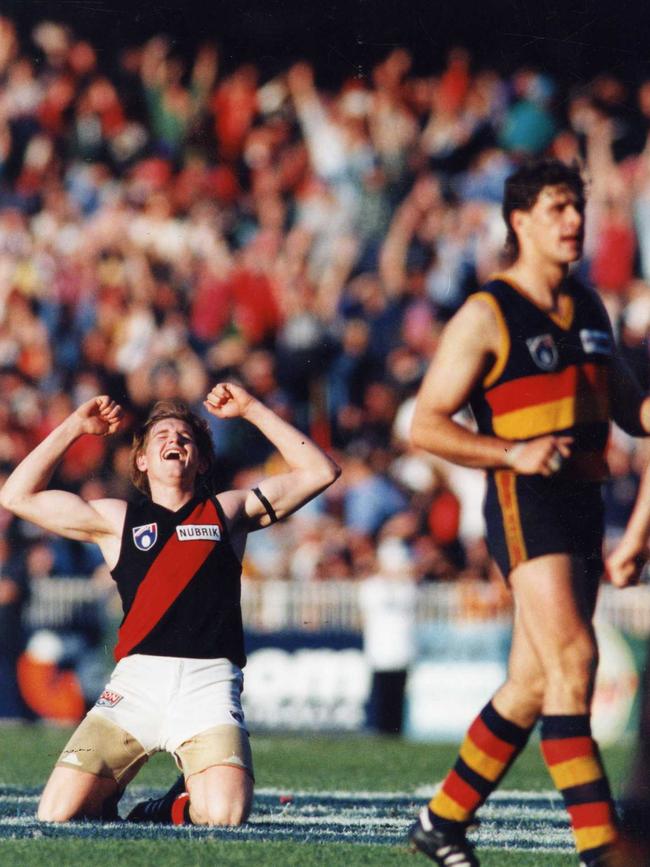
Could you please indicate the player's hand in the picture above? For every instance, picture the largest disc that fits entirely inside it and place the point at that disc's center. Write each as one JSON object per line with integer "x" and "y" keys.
{"x": 542, "y": 456}
{"x": 227, "y": 400}
{"x": 625, "y": 564}
{"x": 99, "y": 416}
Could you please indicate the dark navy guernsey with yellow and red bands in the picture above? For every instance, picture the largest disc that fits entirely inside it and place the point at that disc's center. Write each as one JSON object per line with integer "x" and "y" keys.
{"x": 551, "y": 375}
{"x": 180, "y": 583}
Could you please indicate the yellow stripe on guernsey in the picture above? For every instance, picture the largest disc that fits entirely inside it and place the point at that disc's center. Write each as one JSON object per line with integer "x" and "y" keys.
{"x": 480, "y": 762}
{"x": 591, "y": 838}
{"x": 544, "y": 418}
{"x": 576, "y": 772}
{"x": 537, "y": 420}
{"x": 545, "y": 402}
{"x": 504, "y": 338}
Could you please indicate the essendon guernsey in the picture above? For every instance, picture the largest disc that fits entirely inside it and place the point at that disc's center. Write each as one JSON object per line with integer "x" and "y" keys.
{"x": 551, "y": 374}
{"x": 180, "y": 583}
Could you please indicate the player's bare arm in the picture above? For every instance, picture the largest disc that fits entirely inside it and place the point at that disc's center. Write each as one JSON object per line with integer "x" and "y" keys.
{"x": 310, "y": 469}
{"x": 625, "y": 563}
{"x": 467, "y": 350}
{"x": 630, "y": 407}
{"x": 25, "y": 491}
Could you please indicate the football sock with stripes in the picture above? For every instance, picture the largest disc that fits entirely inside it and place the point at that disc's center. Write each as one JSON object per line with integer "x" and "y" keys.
{"x": 491, "y": 745}
{"x": 572, "y": 757}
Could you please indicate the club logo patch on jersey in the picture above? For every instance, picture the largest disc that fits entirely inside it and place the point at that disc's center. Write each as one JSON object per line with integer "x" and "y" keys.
{"x": 145, "y": 536}
{"x": 190, "y": 532}
{"x": 596, "y": 341}
{"x": 108, "y": 698}
{"x": 543, "y": 351}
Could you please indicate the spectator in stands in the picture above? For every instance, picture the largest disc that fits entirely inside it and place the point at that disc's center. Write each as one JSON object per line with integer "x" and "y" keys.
{"x": 79, "y": 633}
{"x": 370, "y": 497}
{"x": 14, "y": 593}
{"x": 388, "y": 602}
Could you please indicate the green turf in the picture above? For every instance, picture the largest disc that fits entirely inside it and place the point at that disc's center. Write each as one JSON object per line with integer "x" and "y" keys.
{"x": 286, "y": 762}
{"x": 177, "y": 853}
{"x": 298, "y": 762}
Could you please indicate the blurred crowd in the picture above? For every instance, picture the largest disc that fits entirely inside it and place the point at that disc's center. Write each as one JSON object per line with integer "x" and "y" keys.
{"x": 166, "y": 223}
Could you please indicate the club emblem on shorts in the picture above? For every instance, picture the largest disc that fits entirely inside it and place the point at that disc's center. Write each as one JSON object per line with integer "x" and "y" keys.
{"x": 108, "y": 698}
{"x": 543, "y": 351}
{"x": 145, "y": 536}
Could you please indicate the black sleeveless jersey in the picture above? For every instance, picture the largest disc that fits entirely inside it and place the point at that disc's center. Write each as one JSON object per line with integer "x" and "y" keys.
{"x": 551, "y": 374}
{"x": 180, "y": 583}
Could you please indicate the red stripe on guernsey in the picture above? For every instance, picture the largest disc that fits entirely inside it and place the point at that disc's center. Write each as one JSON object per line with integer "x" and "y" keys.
{"x": 590, "y": 815}
{"x": 487, "y": 741}
{"x": 545, "y": 388}
{"x": 461, "y": 792}
{"x": 558, "y": 750}
{"x": 167, "y": 577}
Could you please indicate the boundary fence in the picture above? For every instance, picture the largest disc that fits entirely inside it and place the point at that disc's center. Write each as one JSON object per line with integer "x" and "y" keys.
{"x": 275, "y": 605}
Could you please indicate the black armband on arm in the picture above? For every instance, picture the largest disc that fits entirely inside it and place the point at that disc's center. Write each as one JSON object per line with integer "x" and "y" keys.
{"x": 270, "y": 511}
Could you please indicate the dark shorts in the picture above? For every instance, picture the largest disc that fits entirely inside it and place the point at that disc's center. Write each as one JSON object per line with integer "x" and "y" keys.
{"x": 530, "y": 516}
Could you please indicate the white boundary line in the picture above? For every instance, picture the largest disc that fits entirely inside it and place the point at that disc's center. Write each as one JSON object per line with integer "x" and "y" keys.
{"x": 524, "y": 821}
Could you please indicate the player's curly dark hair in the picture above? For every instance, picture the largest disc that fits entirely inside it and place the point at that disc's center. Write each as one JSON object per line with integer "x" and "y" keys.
{"x": 524, "y": 186}
{"x": 175, "y": 409}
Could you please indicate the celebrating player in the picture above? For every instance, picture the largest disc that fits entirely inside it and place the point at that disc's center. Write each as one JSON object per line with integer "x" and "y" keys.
{"x": 533, "y": 355}
{"x": 175, "y": 555}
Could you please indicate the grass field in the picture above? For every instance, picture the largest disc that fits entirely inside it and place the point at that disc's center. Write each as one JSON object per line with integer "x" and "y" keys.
{"x": 354, "y": 798}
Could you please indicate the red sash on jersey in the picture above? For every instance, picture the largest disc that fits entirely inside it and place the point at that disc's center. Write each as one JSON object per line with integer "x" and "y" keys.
{"x": 167, "y": 577}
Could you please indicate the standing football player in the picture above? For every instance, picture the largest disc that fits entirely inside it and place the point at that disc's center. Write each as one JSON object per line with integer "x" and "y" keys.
{"x": 534, "y": 356}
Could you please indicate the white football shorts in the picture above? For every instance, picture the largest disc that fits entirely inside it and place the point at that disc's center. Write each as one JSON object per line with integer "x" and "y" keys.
{"x": 163, "y": 701}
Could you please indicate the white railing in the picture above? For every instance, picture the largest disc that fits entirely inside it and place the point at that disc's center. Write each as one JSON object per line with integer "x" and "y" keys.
{"x": 628, "y": 609}
{"x": 270, "y": 606}
{"x": 57, "y": 602}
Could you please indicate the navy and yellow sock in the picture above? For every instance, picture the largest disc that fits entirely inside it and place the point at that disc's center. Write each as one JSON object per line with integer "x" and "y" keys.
{"x": 572, "y": 757}
{"x": 491, "y": 745}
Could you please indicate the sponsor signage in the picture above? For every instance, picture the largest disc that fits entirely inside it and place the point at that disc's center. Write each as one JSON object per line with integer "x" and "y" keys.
{"x": 596, "y": 341}
{"x": 109, "y": 698}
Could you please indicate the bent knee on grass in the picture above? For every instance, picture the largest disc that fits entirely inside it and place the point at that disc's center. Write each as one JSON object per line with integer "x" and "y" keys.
{"x": 217, "y": 812}
{"x": 66, "y": 809}
{"x": 70, "y": 794}
{"x": 220, "y": 795}
{"x": 54, "y": 813}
